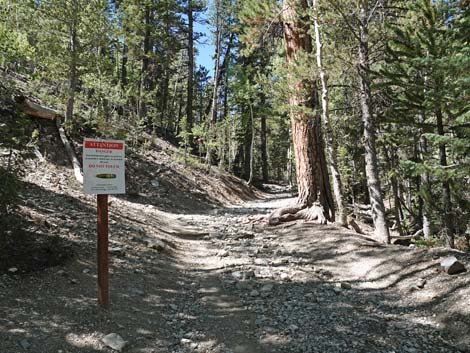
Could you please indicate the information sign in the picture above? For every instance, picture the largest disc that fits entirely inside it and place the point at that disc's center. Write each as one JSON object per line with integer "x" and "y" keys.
{"x": 103, "y": 167}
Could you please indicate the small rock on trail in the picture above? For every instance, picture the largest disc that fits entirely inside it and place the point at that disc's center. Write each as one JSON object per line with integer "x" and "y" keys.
{"x": 114, "y": 341}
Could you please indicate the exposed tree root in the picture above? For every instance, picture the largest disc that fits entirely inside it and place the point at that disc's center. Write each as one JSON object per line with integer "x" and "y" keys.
{"x": 315, "y": 212}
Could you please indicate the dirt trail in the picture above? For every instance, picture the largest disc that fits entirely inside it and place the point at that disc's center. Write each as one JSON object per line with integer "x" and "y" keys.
{"x": 223, "y": 282}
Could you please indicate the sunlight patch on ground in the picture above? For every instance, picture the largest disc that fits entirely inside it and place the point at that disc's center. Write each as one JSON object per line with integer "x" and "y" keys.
{"x": 84, "y": 340}
{"x": 364, "y": 269}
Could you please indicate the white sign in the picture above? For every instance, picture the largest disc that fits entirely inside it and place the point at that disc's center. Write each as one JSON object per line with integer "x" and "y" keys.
{"x": 103, "y": 167}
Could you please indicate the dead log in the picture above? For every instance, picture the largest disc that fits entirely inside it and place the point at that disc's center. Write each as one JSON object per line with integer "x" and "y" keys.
{"x": 70, "y": 152}
{"x": 35, "y": 110}
{"x": 405, "y": 240}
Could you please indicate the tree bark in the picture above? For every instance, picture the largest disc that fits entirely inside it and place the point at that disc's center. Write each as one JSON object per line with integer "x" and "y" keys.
{"x": 247, "y": 138}
{"x": 215, "y": 88}
{"x": 212, "y": 118}
{"x": 446, "y": 196}
{"x": 372, "y": 172}
{"x": 330, "y": 143}
{"x": 144, "y": 75}
{"x": 35, "y": 110}
{"x": 425, "y": 187}
{"x": 72, "y": 79}
{"x": 252, "y": 143}
{"x": 124, "y": 65}
{"x": 311, "y": 169}
{"x": 264, "y": 150}
{"x": 164, "y": 117}
{"x": 189, "y": 96}
{"x": 289, "y": 166}
{"x": 397, "y": 211}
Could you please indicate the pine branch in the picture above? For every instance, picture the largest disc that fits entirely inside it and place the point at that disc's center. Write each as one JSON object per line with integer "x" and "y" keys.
{"x": 345, "y": 18}
{"x": 372, "y": 12}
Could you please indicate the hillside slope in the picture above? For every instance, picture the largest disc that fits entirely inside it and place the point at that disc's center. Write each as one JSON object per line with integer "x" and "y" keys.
{"x": 52, "y": 201}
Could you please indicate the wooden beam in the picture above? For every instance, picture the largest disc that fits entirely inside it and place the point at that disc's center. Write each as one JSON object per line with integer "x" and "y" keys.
{"x": 70, "y": 152}
{"x": 35, "y": 110}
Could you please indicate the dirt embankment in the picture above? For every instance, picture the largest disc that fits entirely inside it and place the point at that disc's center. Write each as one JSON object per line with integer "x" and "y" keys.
{"x": 53, "y": 201}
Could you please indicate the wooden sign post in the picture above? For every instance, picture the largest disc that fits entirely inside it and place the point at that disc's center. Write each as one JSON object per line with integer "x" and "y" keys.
{"x": 103, "y": 268}
{"x": 103, "y": 174}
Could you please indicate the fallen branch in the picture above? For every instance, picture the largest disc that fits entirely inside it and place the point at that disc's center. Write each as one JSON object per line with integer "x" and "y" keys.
{"x": 406, "y": 239}
{"x": 70, "y": 152}
{"x": 417, "y": 235}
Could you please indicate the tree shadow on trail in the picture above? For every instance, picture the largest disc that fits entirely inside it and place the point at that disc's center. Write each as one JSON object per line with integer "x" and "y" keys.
{"x": 162, "y": 302}
{"x": 32, "y": 239}
{"x": 392, "y": 273}
{"x": 308, "y": 316}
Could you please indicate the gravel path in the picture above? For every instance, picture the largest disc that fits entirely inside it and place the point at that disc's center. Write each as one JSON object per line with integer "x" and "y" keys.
{"x": 225, "y": 282}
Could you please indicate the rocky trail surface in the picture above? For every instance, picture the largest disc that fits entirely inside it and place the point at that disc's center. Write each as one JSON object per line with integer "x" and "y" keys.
{"x": 223, "y": 281}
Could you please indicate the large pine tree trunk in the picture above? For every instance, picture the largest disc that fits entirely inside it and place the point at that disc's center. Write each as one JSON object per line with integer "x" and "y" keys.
{"x": 372, "y": 171}
{"x": 311, "y": 170}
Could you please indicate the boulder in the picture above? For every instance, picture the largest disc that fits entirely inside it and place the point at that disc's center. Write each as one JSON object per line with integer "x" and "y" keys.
{"x": 452, "y": 266}
{"x": 114, "y": 341}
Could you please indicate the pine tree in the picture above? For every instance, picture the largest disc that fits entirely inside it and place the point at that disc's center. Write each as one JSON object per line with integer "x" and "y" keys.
{"x": 311, "y": 169}
{"x": 425, "y": 76}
